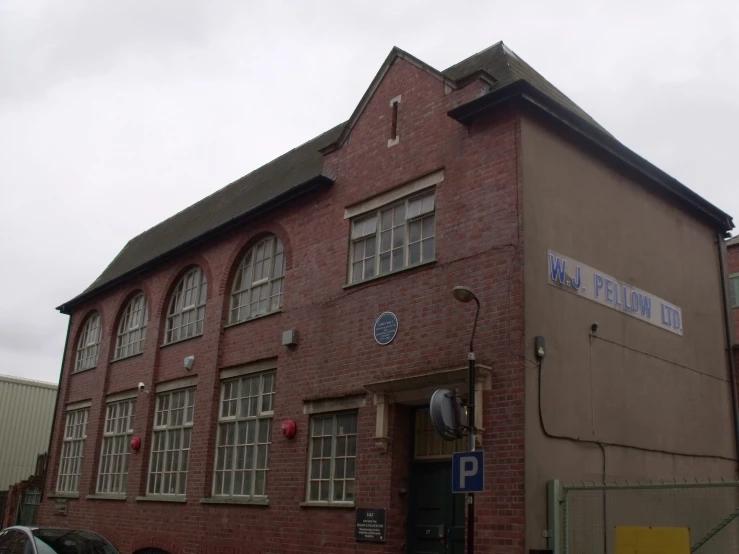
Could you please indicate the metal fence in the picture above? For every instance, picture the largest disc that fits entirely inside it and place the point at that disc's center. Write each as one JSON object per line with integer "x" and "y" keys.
{"x": 583, "y": 518}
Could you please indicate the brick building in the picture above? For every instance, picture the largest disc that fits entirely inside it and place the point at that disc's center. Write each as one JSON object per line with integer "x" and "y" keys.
{"x": 257, "y": 305}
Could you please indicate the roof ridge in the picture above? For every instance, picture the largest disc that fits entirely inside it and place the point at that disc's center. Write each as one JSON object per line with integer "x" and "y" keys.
{"x": 500, "y": 42}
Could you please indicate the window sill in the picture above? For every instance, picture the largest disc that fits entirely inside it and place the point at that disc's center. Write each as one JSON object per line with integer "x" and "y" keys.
{"x": 181, "y": 498}
{"x": 126, "y": 357}
{"x": 64, "y": 495}
{"x": 181, "y": 340}
{"x": 262, "y": 501}
{"x": 252, "y": 319}
{"x": 105, "y": 497}
{"x": 84, "y": 370}
{"x": 386, "y": 275}
{"x": 344, "y": 505}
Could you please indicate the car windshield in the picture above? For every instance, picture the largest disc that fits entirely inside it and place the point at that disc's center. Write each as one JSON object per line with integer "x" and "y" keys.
{"x": 65, "y": 541}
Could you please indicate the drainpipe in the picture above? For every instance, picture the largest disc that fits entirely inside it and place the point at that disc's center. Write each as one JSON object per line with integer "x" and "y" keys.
{"x": 56, "y": 408}
{"x": 729, "y": 338}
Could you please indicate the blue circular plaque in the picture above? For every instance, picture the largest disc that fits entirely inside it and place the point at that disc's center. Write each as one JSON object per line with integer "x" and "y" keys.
{"x": 386, "y": 327}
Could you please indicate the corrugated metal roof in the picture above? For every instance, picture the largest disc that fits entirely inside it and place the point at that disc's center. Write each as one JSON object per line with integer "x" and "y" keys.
{"x": 26, "y": 413}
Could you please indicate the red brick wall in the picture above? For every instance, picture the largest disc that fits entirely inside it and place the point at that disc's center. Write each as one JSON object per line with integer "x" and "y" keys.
{"x": 478, "y": 245}
{"x": 733, "y": 264}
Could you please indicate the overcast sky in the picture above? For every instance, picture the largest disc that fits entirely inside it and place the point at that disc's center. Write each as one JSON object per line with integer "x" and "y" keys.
{"x": 115, "y": 115}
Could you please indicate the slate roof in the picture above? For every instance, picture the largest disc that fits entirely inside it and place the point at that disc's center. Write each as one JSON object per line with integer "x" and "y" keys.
{"x": 293, "y": 172}
{"x": 734, "y": 241}
{"x": 506, "y": 67}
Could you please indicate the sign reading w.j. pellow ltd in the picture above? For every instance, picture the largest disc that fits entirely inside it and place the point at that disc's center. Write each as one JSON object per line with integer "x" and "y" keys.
{"x": 583, "y": 280}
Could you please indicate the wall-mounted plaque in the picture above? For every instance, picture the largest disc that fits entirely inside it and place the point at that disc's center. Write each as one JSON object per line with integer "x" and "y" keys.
{"x": 386, "y": 327}
{"x": 370, "y": 525}
{"x": 60, "y": 506}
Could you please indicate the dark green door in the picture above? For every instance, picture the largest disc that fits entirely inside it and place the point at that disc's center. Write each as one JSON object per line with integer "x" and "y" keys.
{"x": 436, "y": 516}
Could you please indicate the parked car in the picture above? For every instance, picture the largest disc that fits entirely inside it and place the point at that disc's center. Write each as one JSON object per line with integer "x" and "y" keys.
{"x": 51, "y": 540}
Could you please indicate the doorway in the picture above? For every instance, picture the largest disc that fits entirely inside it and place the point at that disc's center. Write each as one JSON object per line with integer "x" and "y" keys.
{"x": 435, "y": 515}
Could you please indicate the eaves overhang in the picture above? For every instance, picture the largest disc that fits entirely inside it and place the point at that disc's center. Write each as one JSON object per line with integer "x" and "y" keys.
{"x": 539, "y": 104}
{"x": 319, "y": 182}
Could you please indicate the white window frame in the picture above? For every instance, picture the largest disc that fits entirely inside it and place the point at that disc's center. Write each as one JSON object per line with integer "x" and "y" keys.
{"x": 187, "y": 321}
{"x": 88, "y": 344}
{"x": 115, "y": 448}
{"x": 132, "y": 328}
{"x": 734, "y": 290}
{"x": 368, "y": 231}
{"x": 73, "y": 451}
{"x": 250, "y": 416}
{"x": 347, "y": 460}
{"x": 171, "y": 442}
{"x": 261, "y": 272}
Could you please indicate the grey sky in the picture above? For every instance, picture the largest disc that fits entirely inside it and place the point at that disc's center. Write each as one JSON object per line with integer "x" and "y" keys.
{"x": 115, "y": 115}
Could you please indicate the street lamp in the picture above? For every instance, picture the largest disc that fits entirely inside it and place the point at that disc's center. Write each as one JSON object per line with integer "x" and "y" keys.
{"x": 465, "y": 294}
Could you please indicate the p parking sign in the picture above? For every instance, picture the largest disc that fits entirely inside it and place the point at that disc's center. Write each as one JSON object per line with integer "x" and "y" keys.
{"x": 468, "y": 469}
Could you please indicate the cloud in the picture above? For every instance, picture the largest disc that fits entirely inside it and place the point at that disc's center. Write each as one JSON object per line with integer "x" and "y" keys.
{"x": 114, "y": 116}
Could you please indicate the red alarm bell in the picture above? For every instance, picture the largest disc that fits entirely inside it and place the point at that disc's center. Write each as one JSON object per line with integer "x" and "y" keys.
{"x": 135, "y": 443}
{"x": 288, "y": 428}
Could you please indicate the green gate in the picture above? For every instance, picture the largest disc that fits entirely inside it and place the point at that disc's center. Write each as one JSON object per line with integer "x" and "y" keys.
{"x": 28, "y": 507}
{"x": 583, "y": 517}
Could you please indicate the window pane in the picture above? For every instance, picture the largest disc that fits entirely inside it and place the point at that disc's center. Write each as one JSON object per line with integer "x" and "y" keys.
{"x": 415, "y": 231}
{"x": 414, "y": 253}
{"x": 428, "y": 249}
{"x": 399, "y": 215}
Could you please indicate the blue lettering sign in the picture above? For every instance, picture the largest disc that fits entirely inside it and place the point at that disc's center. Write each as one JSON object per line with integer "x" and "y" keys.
{"x": 609, "y": 291}
{"x": 598, "y": 285}
{"x": 577, "y": 280}
{"x": 646, "y": 306}
{"x": 634, "y": 301}
{"x": 558, "y": 267}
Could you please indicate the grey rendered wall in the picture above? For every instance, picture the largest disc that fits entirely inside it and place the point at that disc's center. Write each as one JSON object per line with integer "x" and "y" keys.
{"x": 603, "y": 391}
{"x": 26, "y": 410}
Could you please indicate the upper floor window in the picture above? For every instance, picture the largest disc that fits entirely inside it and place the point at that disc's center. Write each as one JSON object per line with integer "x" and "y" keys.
{"x": 187, "y": 307}
{"x": 734, "y": 290}
{"x": 132, "y": 329}
{"x": 396, "y": 236}
{"x": 258, "y": 284}
{"x": 88, "y": 344}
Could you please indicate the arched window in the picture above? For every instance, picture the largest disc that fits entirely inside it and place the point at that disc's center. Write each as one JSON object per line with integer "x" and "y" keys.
{"x": 187, "y": 307}
{"x": 258, "y": 284}
{"x": 132, "y": 329}
{"x": 88, "y": 344}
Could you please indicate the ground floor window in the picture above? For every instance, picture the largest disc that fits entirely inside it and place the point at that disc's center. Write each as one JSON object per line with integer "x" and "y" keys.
{"x": 332, "y": 458}
{"x": 117, "y": 434}
{"x": 170, "y": 446}
{"x": 73, "y": 450}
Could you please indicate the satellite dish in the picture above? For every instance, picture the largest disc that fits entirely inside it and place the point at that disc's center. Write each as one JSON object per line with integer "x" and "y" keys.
{"x": 446, "y": 414}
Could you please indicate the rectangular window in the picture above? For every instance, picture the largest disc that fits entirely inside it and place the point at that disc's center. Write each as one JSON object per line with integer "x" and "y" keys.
{"x": 113, "y": 472}
{"x": 73, "y": 450}
{"x": 734, "y": 290}
{"x": 395, "y": 237}
{"x": 170, "y": 446}
{"x": 332, "y": 458}
{"x": 244, "y": 436}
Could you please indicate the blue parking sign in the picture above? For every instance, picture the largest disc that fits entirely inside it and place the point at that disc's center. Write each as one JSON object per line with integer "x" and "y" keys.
{"x": 467, "y": 471}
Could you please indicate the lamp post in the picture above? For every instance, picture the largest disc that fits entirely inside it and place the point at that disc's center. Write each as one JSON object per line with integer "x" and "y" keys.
{"x": 465, "y": 294}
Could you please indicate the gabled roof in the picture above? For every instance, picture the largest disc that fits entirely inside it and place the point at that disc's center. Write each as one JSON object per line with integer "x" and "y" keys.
{"x": 296, "y": 172}
{"x": 301, "y": 170}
